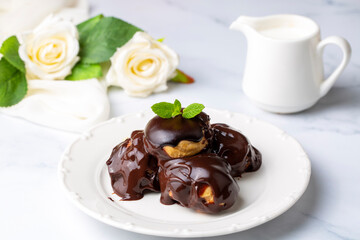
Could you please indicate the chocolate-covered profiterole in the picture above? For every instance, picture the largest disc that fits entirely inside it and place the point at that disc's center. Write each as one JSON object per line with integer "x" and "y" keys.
{"x": 132, "y": 169}
{"x": 236, "y": 149}
{"x": 191, "y": 162}
{"x": 178, "y": 136}
{"x": 201, "y": 182}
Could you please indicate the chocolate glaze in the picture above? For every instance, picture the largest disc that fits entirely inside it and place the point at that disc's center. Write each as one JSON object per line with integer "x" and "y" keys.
{"x": 139, "y": 163}
{"x": 187, "y": 177}
{"x": 132, "y": 169}
{"x": 236, "y": 149}
{"x": 160, "y": 132}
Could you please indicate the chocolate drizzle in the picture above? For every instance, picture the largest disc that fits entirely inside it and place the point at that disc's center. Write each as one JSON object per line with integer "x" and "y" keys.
{"x": 203, "y": 182}
{"x": 236, "y": 149}
{"x": 132, "y": 169}
{"x": 183, "y": 180}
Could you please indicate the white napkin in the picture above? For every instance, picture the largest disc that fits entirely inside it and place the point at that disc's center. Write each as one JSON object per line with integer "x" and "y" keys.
{"x": 68, "y": 105}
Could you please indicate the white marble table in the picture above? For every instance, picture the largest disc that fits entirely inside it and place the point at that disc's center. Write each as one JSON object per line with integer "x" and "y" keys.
{"x": 33, "y": 207}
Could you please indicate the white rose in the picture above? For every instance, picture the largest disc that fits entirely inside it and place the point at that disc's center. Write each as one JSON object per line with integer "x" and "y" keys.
{"x": 142, "y": 66}
{"x": 50, "y": 50}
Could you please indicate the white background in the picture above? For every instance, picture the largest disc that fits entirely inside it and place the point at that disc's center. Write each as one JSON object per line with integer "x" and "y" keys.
{"x": 33, "y": 207}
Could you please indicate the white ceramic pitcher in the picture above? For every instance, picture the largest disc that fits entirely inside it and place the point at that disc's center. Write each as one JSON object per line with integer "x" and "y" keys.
{"x": 284, "y": 67}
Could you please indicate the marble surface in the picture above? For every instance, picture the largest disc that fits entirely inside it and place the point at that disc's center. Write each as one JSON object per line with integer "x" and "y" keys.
{"x": 33, "y": 207}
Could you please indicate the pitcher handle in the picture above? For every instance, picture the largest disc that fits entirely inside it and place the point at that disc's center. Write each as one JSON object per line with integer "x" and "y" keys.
{"x": 346, "y": 49}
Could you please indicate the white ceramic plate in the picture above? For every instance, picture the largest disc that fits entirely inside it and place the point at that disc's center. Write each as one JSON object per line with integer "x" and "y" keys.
{"x": 264, "y": 195}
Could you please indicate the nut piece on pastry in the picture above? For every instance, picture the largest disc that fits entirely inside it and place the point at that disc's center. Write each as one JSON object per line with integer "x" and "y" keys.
{"x": 132, "y": 169}
{"x": 201, "y": 182}
{"x": 236, "y": 149}
{"x": 207, "y": 193}
{"x": 177, "y": 137}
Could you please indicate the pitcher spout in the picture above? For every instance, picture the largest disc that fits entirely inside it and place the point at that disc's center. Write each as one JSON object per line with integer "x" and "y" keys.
{"x": 244, "y": 24}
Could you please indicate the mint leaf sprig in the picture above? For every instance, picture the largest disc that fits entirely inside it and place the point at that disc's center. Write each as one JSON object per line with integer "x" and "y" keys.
{"x": 171, "y": 110}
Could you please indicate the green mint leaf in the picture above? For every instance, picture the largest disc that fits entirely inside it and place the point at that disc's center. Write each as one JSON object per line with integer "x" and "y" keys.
{"x": 168, "y": 110}
{"x": 174, "y": 114}
{"x": 13, "y": 84}
{"x": 192, "y": 110}
{"x": 83, "y": 71}
{"x": 163, "y": 109}
{"x": 177, "y": 108}
{"x": 101, "y": 36}
{"x": 10, "y": 51}
{"x": 181, "y": 77}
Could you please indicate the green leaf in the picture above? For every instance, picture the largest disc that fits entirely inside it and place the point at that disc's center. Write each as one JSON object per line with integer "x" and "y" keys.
{"x": 181, "y": 77}
{"x": 168, "y": 110}
{"x": 83, "y": 71}
{"x": 101, "y": 36}
{"x": 177, "y": 108}
{"x": 10, "y": 51}
{"x": 13, "y": 84}
{"x": 192, "y": 110}
{"x": 163, "y": 109}
{"x": 85, "y": 28}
